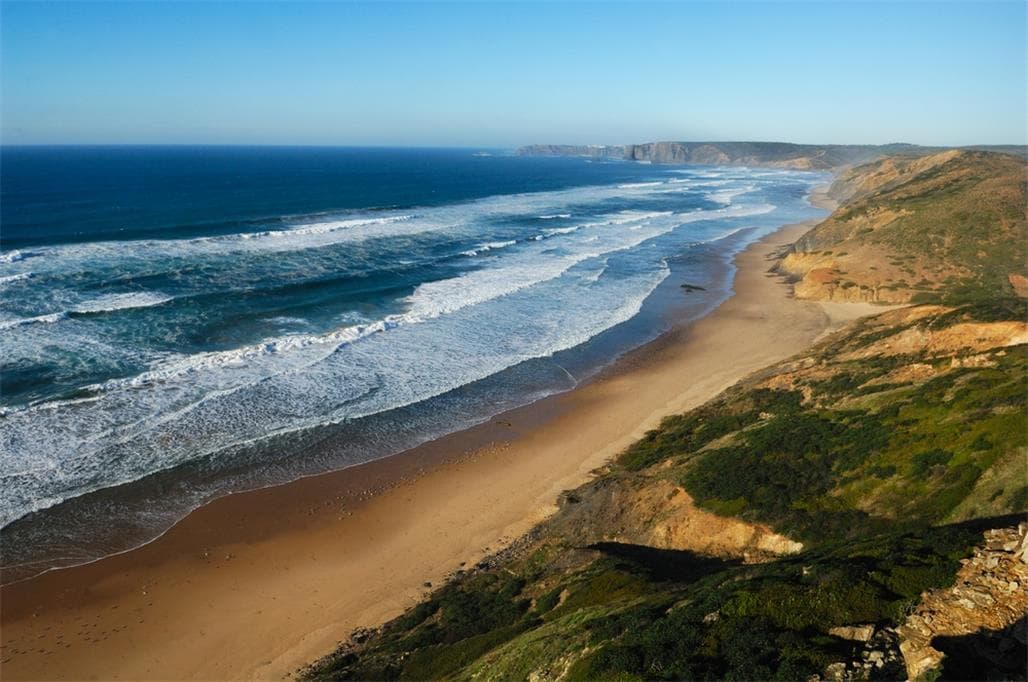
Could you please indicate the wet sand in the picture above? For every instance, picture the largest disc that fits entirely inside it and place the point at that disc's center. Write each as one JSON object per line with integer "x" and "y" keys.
{"x": 255, "y": 585}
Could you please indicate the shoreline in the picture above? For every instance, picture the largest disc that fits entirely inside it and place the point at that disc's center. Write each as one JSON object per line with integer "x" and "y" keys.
{"x": 299, "y": 566}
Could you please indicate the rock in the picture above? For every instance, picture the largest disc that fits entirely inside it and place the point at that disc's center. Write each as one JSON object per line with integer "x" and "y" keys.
{"x": 986, "y": 597}
{"x": 361, "y": 635}
{"x": 855, "y": 633}
{"x": 835, "y": 672}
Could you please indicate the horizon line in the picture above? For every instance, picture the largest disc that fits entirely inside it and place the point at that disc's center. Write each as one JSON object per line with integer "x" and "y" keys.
{"x": 494, "y": 146}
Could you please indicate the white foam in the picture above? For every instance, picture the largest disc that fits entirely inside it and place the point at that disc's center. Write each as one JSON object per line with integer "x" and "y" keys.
{"x": 17, "y": 255}
{"x": 8, "y": 279}
{"x": 435, "y": 299}
{"x": 450, "y": 332}
{"x": 560, "y": 230}
{"x": 594, "y": 276}
{"x": 319, "y": 228}
{"x": 39, "y": 319}
{"x": 640, "y": 185}
{"x": 727, "y": 195}
{"x": 184, "y": 367}
{"x": 531, "y": 267}
{"x": 287, "y": 320}
{"x": 491, "y": 246}
{"x": 112, "y": 302}
{"x": 307, "y": 235}
{"x": 108, "y": 303}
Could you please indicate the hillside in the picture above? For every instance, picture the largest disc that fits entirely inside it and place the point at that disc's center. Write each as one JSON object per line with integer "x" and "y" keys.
{"x": 946, "y": 227}
{"x": 851, "y": 513}
{"x": 742, "y": 539}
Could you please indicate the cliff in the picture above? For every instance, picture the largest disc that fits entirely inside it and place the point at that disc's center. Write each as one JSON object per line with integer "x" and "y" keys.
{"x": 597, "y": 151}
{"x": 770, "y": 154}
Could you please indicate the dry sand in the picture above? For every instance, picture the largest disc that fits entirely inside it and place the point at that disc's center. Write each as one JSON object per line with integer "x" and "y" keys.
{"x": 257, "y": 584}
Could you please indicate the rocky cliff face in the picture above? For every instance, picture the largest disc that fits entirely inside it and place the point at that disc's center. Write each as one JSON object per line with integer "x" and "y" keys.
{"x": 767, "y": 154}
{"x": 592, "y": 151}
{"x": 987, "y": 602}
{"x": 974, "y": 629}
{"x": 662, "y": 515}
{"x": 770, "y": 154}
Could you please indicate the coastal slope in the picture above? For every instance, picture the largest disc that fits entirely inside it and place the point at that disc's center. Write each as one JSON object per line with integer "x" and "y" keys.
{"x": 781, "y": 531}
{"x": 801, "y": 525}
{"x": 946, "y": 227}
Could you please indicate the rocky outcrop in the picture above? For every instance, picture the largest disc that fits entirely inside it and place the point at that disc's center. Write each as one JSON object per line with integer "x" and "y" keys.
{"x": 877, "y": 658}
{"x": 1019, "y": 283}
{"x": 662, "y": 515}
{"x": 989, "y": 596}
{"x": 961, "y": 338}
{"x": 988, "y": 601}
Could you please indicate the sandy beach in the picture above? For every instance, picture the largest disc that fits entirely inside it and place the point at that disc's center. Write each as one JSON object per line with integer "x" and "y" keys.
{"x": 255, "y": 585}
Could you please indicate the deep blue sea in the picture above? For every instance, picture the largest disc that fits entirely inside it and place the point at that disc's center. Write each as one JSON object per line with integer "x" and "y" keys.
{"x": 177, "y": 323}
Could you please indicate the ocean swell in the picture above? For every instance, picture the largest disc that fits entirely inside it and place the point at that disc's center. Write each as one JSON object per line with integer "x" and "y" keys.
{"x": 425, "y": 312}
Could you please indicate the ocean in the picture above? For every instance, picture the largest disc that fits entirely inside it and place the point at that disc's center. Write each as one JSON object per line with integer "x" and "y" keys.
{"x": 179, "y": 323}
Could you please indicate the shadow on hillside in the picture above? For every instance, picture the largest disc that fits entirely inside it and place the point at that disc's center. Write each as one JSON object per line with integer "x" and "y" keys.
{"x": 662, "y": 565}
{"x": 986, "y": 654}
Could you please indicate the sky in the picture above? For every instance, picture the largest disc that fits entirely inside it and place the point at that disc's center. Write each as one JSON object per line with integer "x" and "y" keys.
{"x": 496, "y": 75}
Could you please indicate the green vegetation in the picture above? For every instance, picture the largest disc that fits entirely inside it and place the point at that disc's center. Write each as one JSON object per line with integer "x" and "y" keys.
{"x": 955, "y": 221}
{"x": 771, "y": 621}
{"x": 895, "y": 454}
{"x": 692, "y": 431}
{"x": 687, "y": 618}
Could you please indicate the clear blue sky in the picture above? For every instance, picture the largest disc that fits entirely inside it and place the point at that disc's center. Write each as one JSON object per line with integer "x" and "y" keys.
{"x": 491, "y": 74}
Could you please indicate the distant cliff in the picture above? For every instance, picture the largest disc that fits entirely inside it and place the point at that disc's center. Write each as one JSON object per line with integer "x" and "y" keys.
{"x": 772, "y": 154}
{"x": 599, "y": 151}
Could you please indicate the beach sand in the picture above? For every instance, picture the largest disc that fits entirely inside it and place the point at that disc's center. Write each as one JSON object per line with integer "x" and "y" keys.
{"x": 257, "y": 584}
